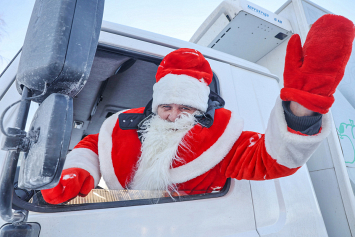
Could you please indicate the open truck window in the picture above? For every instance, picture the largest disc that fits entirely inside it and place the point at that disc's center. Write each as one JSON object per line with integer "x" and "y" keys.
{"x": 118, "y": 80}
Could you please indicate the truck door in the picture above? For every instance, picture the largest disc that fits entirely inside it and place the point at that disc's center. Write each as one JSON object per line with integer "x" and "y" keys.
{"x": 242, "y": 208}
{"x": 129, "y": 213}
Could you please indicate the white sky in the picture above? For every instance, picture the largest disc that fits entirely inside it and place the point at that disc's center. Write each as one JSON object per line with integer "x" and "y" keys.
{"x": 175, "y": 18}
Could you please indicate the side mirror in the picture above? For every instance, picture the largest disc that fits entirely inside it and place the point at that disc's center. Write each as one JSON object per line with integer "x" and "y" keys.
{"x": 50, "y": 133}
{"x": 59, "y": 46}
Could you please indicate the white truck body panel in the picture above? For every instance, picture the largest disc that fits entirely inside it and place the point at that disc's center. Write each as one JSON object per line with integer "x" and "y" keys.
{"x": 330, "y": 177}
{"x": 282, "y": 207}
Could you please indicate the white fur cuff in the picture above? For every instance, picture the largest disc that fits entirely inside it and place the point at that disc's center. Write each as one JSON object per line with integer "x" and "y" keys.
{"x": 181, "y": 89}
{"x": 85, "y": 159}
{"x": 289, "y": 149}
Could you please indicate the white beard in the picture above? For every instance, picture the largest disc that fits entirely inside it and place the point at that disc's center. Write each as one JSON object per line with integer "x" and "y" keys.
{"x": 160, "y": 142}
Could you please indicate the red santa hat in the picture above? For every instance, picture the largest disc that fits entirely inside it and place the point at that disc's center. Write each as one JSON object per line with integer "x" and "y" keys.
{"x": 183, "y": 78}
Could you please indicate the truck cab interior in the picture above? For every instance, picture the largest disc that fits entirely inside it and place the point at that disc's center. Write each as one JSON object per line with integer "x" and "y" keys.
{"x": 118, "y": 81}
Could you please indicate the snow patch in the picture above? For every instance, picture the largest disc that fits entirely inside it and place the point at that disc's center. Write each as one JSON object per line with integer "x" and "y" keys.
{"x": 252, "y": 142}
{"x": 69, "y": 176}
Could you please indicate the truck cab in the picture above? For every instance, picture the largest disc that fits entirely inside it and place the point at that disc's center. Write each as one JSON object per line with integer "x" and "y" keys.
{"x": 121, "y": 76}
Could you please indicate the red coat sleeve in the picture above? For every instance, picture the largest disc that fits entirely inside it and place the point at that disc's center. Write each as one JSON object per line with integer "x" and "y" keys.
{"x": 89, "y": 142}
{"x": 248, "y": 159}
{"x": 277, "y": 153}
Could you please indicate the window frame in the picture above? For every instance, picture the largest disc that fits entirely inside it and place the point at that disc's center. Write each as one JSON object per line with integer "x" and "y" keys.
{"x": 18, "y": 203}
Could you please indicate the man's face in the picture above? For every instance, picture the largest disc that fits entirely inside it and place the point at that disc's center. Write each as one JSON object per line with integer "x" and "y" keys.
{"x": 170, "y": 112}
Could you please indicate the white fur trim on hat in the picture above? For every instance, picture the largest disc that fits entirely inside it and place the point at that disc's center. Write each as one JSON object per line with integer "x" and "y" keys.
{"x": 289, "y": 149}
{"x": 181, "y": 89}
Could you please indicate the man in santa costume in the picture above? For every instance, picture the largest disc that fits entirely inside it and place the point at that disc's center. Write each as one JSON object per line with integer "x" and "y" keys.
{"x": 184, "y": 140}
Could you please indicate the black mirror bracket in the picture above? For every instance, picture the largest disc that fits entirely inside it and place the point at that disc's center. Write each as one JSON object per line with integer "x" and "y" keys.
{"x": 19, "y": 140}
{"x": 7, "y": 178}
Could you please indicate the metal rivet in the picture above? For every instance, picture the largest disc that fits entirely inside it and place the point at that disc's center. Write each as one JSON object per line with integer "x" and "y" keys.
{"x": 78, "y": 124}
{"x": 131, "y": 120}
{"x": 124, "y": 121}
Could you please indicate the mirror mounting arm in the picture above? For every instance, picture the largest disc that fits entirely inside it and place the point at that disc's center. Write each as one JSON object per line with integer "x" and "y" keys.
{"x": 9, "y": 170}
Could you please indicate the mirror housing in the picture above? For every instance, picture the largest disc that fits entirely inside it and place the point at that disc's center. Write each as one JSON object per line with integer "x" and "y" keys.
{"x": 50, "y": 129}
{"x": 59, "y": 46}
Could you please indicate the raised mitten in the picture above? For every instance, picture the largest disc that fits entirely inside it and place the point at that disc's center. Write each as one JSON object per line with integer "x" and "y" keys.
{"x": 73, "y": 182}
{"x": 313, "y": 72}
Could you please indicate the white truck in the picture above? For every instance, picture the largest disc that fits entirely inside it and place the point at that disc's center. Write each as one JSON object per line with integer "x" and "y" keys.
{"x": 257, "y": 30}
{"x": 318, "y": 200}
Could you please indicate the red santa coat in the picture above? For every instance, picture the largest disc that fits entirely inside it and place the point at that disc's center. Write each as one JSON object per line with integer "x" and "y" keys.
{"x": 218, "y": 152}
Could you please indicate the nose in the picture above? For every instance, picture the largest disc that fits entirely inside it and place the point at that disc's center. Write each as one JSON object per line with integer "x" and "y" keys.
{"x": 173, "y": 115}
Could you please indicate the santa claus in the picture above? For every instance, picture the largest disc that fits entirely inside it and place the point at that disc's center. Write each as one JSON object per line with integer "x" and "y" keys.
{"x": 185, "y": 140}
